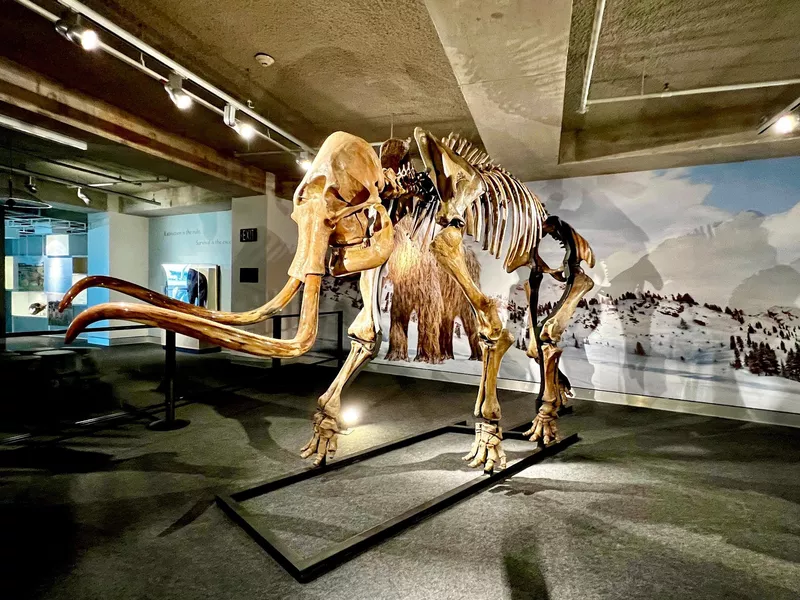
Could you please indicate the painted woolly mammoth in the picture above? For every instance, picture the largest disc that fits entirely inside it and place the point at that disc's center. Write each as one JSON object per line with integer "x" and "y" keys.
{"x": 437, "y": 301}
{"x": 345, "y": 208}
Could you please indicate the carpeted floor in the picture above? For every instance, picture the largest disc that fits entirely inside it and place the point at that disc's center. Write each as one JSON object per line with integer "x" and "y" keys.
{"x": 647, "y": 505}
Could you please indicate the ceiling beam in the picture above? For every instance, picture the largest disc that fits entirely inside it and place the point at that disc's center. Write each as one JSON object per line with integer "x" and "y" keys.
{"x": 510, "y": 60}
{"x": 30, "y": 91}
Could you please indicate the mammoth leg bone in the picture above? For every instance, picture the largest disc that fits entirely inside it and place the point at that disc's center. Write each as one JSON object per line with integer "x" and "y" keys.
{"x": 249, "y": 317}
{"x": 216, "y": 333}
{"x": 365, "y": 341}
{"x": 555, "y": 387}
{"x": 495, "y": 340}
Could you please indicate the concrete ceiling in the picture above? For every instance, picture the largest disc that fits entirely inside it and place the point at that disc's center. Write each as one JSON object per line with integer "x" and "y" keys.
{"x": 646, "y": 46}
{"x": 359, "y": 65}
{"x": 507, "y": 73}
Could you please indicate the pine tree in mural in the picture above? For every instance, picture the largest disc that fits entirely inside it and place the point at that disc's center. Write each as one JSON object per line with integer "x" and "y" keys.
{"x": 771, "y": 365}
{"x": 762, "y": 360}
{"x": 792, "y": 368}
{"x": 737, "y": 359}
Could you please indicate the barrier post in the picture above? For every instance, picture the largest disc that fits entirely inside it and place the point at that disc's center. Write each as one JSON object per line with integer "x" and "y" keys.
{"x": 169, "y": 422}
{"x": 277, "y": 326}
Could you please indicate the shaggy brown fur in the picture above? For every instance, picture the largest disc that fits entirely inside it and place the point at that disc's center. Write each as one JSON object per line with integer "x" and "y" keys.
{"x": 457, "y": 305}
{"x": 419, "y": 285}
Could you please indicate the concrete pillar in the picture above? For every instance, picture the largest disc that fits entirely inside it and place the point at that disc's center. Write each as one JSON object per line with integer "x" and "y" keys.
{"x": 119, "y": 247}
{"x": 253, "y": 267}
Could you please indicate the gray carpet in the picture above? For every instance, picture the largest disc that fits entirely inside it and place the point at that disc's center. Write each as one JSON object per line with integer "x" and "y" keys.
{"x": 648, "y": 505}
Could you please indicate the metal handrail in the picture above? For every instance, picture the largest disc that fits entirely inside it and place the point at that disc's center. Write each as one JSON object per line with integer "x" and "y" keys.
{"x": 18, "y": 334}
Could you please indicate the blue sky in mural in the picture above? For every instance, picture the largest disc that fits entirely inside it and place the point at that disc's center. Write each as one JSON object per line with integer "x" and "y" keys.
{"x": 767, "y": 186}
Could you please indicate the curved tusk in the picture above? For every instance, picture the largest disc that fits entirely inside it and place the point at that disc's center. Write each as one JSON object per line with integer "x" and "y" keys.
{"x": 145, "y": 295}
{"x": 207, "y": 330}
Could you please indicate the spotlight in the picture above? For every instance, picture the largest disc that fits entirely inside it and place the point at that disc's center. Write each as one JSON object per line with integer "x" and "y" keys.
{"x": 786, "y": 124}
{"x": 83, "y": 196}
{"x": 245, "y": 130}
{"x": 174, "y": 87}
{"x": 30, "y": 185}
{"x": 71, "y": 27}
{"x": 304, "y": 161}
{"x": 89, "y": 40}
{"x": 350, "y": 416}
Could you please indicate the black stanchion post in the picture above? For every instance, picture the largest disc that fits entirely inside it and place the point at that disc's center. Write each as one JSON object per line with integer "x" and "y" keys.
{"x": 339, "y": 339}
{"x": 169, "y": 422}
{"x": 277, "y": 325}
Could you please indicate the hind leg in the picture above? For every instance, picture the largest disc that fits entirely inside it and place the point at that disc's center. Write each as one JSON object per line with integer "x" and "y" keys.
{"x": 554, "y": 387}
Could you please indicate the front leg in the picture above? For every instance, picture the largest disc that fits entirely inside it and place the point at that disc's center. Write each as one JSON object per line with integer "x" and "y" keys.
{"x": 365, "y": 342}
{"x": 495, "y": 341}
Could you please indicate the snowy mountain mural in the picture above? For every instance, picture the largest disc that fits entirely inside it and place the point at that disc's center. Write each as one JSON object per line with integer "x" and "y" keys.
{"x": 697, "y": 286}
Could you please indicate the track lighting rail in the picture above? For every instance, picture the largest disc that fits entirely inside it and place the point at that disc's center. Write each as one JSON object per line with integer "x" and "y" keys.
{"x": 147, "y": 50}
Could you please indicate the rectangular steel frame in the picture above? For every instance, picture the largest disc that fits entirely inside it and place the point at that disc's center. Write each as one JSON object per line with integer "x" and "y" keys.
{"x": 306, "y": 569}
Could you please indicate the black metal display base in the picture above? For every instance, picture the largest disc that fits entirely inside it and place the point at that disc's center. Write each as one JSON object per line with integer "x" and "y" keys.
{"x": 167, "y": 424}
{"x": 305, "y": 569}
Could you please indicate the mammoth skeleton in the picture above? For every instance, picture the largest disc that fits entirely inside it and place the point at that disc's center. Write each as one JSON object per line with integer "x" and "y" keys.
{"x": 345, "y": 208}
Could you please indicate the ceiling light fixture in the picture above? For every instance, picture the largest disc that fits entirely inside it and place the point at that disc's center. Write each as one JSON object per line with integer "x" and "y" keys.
{"x": 41, "y": 132}
{"x": 304, "y": 161}
{"x": 146, "y": 51}
{"x": 12, "y": 197}
{"x": 174, "y": 87}
{"x": 71, "y": 27}
{"x": 83, "y": 196}
{"x": 245, "y": 130}
{"x": 786, "y": 124}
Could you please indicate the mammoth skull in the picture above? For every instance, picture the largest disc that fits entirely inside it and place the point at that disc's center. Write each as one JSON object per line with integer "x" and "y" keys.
{"x": 342, "y": 229}
{"x": 337, "y": 205}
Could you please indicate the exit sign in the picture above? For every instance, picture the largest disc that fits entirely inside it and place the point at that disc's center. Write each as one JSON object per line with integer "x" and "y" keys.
{"x": 248, "y": 235}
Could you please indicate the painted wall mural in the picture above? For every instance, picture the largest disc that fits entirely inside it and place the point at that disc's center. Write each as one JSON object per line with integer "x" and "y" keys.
{"x": 697, "y": 287}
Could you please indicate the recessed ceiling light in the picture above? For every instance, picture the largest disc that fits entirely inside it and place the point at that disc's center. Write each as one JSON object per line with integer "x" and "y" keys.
{"x": 264, "y": 59}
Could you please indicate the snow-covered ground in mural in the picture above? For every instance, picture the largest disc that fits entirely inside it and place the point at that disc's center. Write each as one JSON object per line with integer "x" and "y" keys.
{"x": 687, "y": 352}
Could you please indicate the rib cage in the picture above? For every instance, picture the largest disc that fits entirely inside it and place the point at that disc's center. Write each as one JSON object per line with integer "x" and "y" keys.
{"x": 508, "y": 214}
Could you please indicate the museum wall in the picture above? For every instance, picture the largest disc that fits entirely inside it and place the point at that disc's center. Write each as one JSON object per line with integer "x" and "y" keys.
{"x": 200, "y": 239}
{"x": 697, "y": 288}
{"x": 117, "y": 246}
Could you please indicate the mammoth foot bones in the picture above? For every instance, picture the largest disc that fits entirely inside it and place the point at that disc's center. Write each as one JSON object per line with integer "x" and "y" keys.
{"x": 487, "y": 450}
{"x": 544, "y": 425}
{"x": 325, "y": 440}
